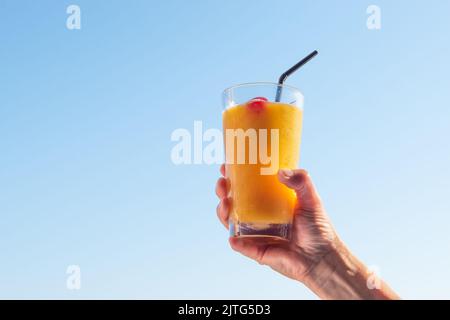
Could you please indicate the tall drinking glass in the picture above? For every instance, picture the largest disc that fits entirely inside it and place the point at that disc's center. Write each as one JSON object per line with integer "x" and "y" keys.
{"x": 262, "y": 125}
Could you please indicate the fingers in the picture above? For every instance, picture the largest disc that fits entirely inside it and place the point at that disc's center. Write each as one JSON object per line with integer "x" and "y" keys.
{"x": 278, "y": 256}
{"x": 221, "y": 188}
{"x": 250, "y": 249}
{"x": 300, "y": 181}
{"x": 223, "y": 211}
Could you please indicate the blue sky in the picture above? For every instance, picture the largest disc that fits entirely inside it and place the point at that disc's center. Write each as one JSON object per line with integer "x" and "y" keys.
{"x": 86, "y": 116}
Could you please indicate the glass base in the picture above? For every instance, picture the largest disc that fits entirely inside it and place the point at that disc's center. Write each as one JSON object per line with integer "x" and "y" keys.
{"x": 260, "y": 230}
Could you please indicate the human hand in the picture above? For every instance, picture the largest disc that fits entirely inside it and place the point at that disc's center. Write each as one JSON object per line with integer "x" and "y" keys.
{"x": 315, "y": 255}
{"x": 312, "y": 233}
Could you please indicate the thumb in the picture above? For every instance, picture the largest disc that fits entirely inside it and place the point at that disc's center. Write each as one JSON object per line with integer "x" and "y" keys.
{"x": 300, "y": 181}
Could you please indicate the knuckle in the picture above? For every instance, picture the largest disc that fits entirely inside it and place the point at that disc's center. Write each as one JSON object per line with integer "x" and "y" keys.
{"x": 218, "y": 208}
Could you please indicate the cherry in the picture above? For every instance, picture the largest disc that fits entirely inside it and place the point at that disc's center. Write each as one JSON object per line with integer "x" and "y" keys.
{"x": 260, "y": 98}
{"x": 257, "y": 103}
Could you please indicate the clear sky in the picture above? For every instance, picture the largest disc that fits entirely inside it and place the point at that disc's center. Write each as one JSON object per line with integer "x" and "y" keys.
{"x": 86, "y": 116}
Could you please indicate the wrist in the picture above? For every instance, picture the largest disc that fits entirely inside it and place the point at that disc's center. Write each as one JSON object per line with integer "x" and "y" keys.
{"x": 340, "y": 275}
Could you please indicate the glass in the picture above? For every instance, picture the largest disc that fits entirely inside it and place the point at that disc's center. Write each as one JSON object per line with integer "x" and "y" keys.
{"x": 260, "y": 137}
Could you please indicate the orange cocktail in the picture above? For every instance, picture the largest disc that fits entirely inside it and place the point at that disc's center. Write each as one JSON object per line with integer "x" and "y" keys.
{"x": 261, "y": 136}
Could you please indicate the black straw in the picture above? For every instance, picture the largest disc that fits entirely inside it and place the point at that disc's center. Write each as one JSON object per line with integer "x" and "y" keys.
{"x": 291, "y": 70}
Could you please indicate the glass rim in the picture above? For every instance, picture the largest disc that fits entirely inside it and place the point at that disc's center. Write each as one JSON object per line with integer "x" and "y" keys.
{"x": 250, "y": 84}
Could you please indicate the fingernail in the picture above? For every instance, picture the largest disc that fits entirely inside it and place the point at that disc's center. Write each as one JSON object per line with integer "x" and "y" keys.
{"x": 287, "y": 173}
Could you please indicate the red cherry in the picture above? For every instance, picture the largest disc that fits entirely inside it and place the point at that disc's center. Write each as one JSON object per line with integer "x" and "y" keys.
{"x": 257, "y": 104}
{"x": 260, "y": 98}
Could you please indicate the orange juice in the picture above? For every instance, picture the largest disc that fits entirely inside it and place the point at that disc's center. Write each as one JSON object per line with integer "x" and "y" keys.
{"x": 259, "y": 200}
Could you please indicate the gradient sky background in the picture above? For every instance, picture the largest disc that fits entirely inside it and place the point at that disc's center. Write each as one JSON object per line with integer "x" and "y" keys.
{"x": 86, "y": 116}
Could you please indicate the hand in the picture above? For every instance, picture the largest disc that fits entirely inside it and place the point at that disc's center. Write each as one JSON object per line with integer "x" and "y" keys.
{"x": 315, "y": 255}
{"x": 312, "y": 234}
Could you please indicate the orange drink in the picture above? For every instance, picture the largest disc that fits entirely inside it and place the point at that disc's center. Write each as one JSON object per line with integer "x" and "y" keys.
{"x": 261, "y": 136}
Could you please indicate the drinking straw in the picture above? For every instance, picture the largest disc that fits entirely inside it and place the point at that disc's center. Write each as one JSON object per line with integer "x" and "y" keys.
{"x": 290, "y": 71}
